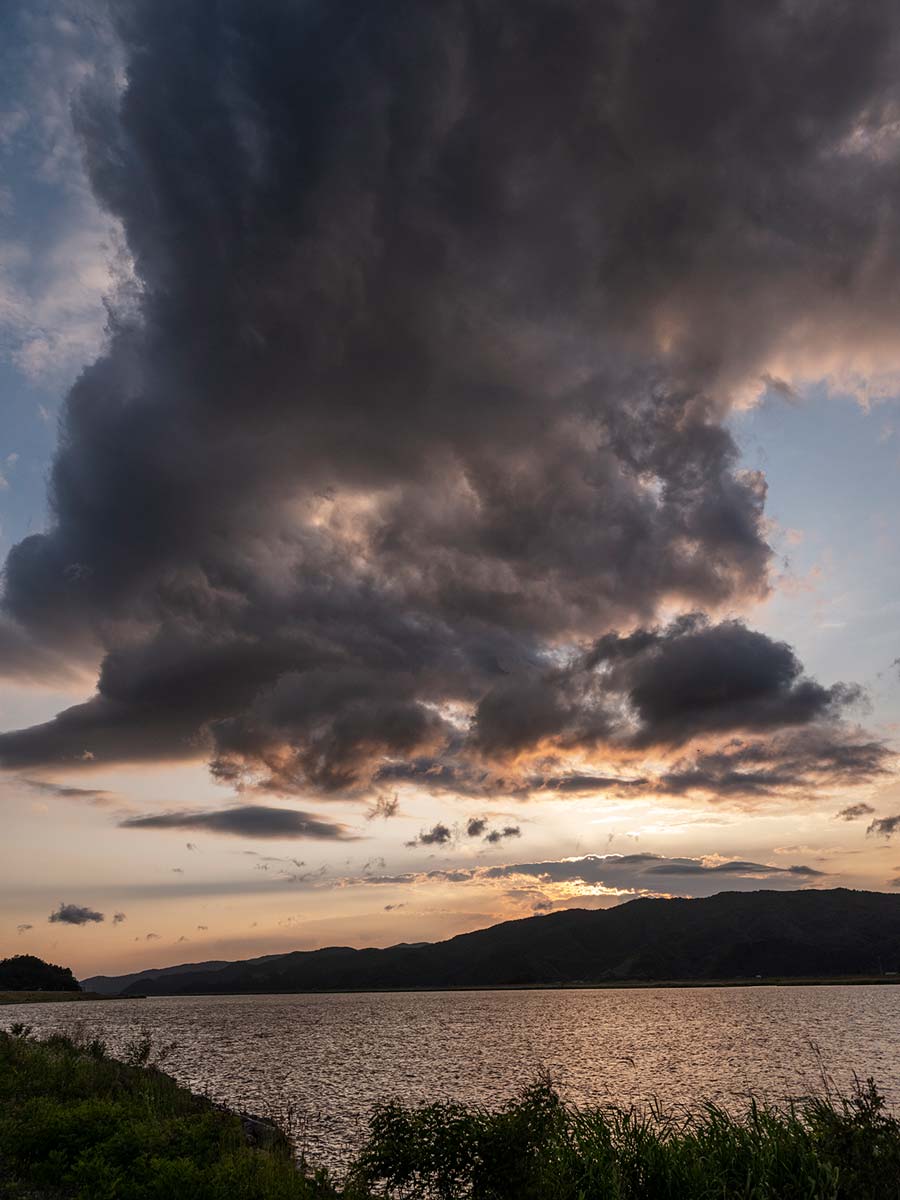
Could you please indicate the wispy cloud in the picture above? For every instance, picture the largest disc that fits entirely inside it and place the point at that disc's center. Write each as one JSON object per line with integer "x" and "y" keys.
{"x": 853, "y": 812}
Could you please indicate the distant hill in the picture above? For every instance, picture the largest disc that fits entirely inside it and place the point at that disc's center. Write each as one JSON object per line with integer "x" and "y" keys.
{"x": 26, "y": 973}
{"x": 733, "y": 935}
{"x": 115, "y": 985}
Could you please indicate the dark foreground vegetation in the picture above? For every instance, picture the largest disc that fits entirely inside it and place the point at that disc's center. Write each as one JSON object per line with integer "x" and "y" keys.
{"x": 731, "y": 936}
{"x": 76, "y": 1124}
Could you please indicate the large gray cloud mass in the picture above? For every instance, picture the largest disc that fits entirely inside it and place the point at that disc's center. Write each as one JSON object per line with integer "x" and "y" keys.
{"x": 421, "y": 389}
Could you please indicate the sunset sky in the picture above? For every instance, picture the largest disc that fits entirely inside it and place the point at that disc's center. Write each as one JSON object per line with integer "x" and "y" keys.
{"x": 449, "y": 464}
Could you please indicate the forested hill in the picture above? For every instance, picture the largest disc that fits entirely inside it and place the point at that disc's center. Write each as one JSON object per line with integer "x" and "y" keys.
{"x": 25, "y": 973}
{"x": 732, "y": 935}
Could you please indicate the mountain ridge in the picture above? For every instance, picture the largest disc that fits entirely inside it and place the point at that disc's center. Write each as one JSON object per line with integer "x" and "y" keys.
{"x": 732, "y": 935}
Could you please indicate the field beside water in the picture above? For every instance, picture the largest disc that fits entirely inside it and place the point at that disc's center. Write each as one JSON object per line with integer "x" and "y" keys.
{"x": 77, "y": 1124}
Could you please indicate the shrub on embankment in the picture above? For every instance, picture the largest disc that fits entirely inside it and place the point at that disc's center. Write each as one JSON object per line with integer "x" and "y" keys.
{"x": 76, "y": 1124}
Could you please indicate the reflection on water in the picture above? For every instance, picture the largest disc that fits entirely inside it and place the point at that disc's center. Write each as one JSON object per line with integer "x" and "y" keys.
{"x": 331, "y": 1057}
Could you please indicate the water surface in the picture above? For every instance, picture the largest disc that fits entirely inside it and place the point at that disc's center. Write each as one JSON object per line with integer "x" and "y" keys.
{"x": 329, "y": 1058}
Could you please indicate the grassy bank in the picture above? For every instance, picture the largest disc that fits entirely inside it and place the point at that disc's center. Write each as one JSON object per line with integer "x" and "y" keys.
{"x": 75, "y": 1123}
{"x": 78, "y": 1125}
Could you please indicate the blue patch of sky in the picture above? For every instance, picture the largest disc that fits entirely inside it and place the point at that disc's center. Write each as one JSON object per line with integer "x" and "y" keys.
{"x": 833, "y": 469}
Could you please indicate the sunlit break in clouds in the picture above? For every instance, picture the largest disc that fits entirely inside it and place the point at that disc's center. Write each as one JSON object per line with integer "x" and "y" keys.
{"x": 419, "y": 483}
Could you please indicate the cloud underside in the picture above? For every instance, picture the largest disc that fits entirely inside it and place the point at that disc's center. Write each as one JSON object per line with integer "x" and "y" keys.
{"x": 422, "y": 391}
{"x": 598, "y": 879}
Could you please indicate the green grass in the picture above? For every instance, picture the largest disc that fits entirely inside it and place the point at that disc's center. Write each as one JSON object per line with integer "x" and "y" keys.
{"x": 76, "y": 1124}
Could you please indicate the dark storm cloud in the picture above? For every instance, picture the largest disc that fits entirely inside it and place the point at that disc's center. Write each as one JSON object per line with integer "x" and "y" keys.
{"x": 884, "y": 827}
{"x": 659, "y": 687}
{"x": 74, "y": 914}
{"x": 23, "y": 657}
{"x": 248, "y": 820}
{"x": 853, "y": 812}
{"x": 795, "y": 763}
{"x": 422, "y": 388}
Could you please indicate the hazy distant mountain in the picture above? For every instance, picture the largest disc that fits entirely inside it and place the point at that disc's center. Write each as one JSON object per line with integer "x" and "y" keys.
{"x": 730, "y": 936}
{"x": 114, "y": 985}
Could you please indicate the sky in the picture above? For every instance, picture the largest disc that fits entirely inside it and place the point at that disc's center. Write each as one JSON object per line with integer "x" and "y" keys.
{"x": 449, "y": 460}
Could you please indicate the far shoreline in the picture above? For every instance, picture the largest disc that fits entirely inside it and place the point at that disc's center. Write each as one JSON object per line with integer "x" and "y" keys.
{"x": 36, "y": 997}
{"x": 9, "y": 998}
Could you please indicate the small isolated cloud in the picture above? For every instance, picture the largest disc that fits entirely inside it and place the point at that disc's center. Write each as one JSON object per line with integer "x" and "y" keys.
{"x": 853, "y": 812}
{"x": 24, "y": 927}
{"x": 478, "y": 827}
{"x": 184, "y": 939}
{"x": 883, "y": 827}
{"x": 393, "y": 907}
{"x": 248, "y": 820}
{"x": 438, "y": 835}
{"x": 178, "y": 870}
{"x": 191, "y": 846}
{"x": 74, "y": 914}
{"x": 203, "y": 928}
{"x": 508, "y": 831}
{"x": 151, "y": 937}
{"x": 118, "y": 918}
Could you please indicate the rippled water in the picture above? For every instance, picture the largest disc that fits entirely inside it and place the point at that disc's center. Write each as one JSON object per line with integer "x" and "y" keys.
{"x": 331, "y": 1057}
